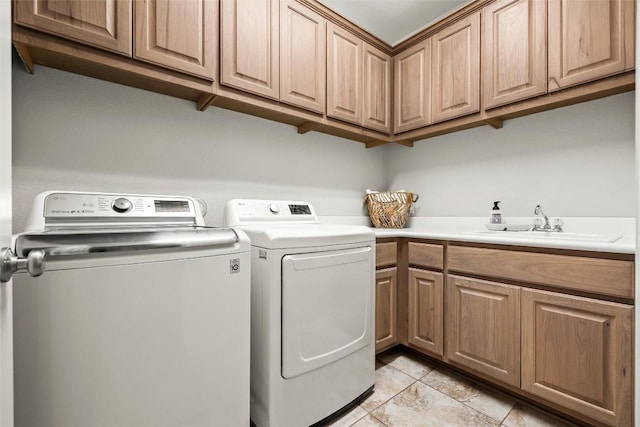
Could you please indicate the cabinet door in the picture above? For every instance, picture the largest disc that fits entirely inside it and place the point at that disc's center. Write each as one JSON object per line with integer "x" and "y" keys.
{"x": 456, "y": 70}
{"x": 426, "y": 311}
{"x": 377, "y": 89}
{"x": 249, "y": 46}
{"x": 483, "y": 327}
{"x": 514, "y": 51}
{"x": 386, "y": 297}
{"x": 303, "y": 56}
{"x": 412, "y": 76}
{"x": 179, "y": 34}
{"x": 102, "y": 23}
{"x": 588, "y": 40}
{"x": 577, "y": 352}
{"x": 344, "y": 75}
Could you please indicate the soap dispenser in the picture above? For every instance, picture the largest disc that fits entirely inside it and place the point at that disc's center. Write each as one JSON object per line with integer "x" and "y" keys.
{"x": 496, "y": 215}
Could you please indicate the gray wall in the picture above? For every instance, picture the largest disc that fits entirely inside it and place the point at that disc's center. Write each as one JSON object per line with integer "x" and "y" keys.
{"x": 76, "y": 133}
{"x": 73, "y": 132}
{"x": 575, "y": 161}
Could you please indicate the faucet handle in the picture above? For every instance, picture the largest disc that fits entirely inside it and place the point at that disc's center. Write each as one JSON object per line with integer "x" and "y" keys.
{"x": 537, "y": 223}
{"x": 558, "y": 224}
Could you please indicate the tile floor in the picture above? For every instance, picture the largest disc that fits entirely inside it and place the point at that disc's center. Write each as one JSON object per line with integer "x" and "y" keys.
{"x": 412, "y": 392}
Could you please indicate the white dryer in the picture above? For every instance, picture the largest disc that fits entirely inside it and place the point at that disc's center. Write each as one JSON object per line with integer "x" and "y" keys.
{"x": 312, "y": 312}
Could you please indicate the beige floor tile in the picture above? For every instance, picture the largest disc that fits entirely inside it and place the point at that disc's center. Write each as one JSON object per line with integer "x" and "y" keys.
{"x": 389, "y": 382}
{"x": 423, "y": 406}
{"x": 527, "y": 416}
{"x": 349, "y": 418}
{"x": 369, "y": 421}
{"x": 485, "y": 400}
{"x": 409, "y": 364}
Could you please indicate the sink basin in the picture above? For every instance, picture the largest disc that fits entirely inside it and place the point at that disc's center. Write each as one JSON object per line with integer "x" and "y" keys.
{"x": 601, "y": 238}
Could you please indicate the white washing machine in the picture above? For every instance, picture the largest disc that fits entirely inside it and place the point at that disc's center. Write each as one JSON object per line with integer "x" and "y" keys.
{"x": 141, "y": 317}
{"x": 312, "y": 311}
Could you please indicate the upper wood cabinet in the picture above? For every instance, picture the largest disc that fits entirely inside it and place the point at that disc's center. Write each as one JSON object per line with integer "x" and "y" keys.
{"x": 377, "y": 89}
{"x": 302, "y": 56}
{"x": 589, "y": 39}
{"x": 455, "y": 87}
{"x": 344, "y": 75}
{"x": 250, "y": 46}
{"x": 577, "y": 352}
{"x": 178, "y": 34}
{"x": 483, "y": 327}
{"x": 358, "y": 80}
{"x": 412, "y": 82}
{"x": 514, "y": 51}
{"x": 101, "y": 23}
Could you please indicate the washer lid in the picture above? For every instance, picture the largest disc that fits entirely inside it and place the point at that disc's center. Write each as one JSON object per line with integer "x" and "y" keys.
{"x": 283, "y": 236}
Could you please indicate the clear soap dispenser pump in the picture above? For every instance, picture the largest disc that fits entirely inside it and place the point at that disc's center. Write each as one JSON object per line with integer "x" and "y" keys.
{"x": 496, "y": 215}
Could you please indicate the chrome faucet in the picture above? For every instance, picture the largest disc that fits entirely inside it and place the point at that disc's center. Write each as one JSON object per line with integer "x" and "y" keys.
{"x": 557, "y": 224}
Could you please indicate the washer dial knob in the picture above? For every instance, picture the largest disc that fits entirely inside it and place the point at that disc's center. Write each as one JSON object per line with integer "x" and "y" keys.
{"x": 122, "y": 205}
{"x": 274, "y": 208}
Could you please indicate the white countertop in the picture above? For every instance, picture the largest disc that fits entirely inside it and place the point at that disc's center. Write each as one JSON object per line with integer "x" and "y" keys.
{"x": 472, "y": 229}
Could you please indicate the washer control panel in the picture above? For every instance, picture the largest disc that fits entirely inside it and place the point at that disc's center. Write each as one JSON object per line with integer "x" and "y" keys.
{"x": 61, "y": 205}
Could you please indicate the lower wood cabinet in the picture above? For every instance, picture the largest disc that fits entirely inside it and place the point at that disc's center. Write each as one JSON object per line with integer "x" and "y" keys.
{"x": 577, "y": 353}
{"x": 425, "y": 326}
{"x": 386, "y": 306}
{"x": 573, "y": 353}
{"x": 483, "y": 327}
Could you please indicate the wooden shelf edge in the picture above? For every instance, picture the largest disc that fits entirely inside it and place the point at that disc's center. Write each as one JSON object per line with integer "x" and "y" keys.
{"x": 303, "y": 120}
{"x": 54, "y": 52}
{"x": 438, "y": 129}
{"x": 25, "y": 57}
{"x": 573, "y": 95}
{"x": 495, "y": 117}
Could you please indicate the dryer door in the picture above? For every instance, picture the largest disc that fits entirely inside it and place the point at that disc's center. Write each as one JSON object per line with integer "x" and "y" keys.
{"x": 327, "y": 307}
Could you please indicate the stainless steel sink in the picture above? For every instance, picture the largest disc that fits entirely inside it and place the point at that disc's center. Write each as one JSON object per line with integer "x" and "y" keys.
{"x": 601, "y": 238}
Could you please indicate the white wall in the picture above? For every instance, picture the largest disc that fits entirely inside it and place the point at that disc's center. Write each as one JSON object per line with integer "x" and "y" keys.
{"x": 575, "y": 161}
{"x": 73, "y": 132}
{"x": 76, "y": 133}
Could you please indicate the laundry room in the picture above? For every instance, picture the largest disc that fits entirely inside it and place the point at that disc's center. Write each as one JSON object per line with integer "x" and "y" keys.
{"x": 576, "y": 158}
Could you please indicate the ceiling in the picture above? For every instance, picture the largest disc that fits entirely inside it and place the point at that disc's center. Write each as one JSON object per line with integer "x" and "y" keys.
{"x": 393, "y": 20}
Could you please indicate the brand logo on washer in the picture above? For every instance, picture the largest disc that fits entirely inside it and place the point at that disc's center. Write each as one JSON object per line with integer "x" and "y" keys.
{"x": 234, "y": 266}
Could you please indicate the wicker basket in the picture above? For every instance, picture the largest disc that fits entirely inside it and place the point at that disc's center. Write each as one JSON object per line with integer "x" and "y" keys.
{"x": 390, "y": 210}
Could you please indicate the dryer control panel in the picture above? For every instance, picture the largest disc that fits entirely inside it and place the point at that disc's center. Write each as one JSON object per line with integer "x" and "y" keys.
{"x": 249, "y": 211}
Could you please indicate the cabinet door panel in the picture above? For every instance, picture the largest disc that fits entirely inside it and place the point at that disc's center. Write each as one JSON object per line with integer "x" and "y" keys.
{"x": 412, "y": 97}
{"x": 386, "y": 300}
{"x": 250, "y": 34}
{"x": 177, "y": 34}
{"x": 101, "y": 23}
{"x": 426, "y": 311}
{"x": 456, "y": 70}
{"x": 377, "y": 89}
{"x": 514, "y": 51}
{"x": 577, "y": 353}
{"x": 303, "y": 56}
{"x": 483, "y": 327}
{"x": 344, "y": 75}
{"x": 587, "y": 40}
